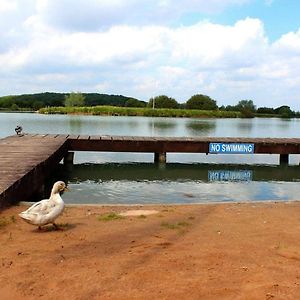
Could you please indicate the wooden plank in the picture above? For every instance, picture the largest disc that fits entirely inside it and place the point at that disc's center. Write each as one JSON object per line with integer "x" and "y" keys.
{"x": 51, "y": 135}
{"x": 62, "y": 136}
{"x": 73, "y": 136}
{"x": 95, "y": 137}
{"x": 84, "y": 137}
{"x": 105, "y": 138}
{"x": 39, "y": 135}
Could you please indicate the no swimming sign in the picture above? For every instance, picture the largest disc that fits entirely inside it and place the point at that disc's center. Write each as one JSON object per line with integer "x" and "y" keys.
{"x": 231, "y": 148}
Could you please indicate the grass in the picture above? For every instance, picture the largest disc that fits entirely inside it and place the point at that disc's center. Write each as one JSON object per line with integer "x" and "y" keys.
{"x": 178, "y": 225}
{"x": 142, "y": 217}
{"x": 144, "y": 112}
{"x": 110, "y": 217}
{"x": 4, "y": 221}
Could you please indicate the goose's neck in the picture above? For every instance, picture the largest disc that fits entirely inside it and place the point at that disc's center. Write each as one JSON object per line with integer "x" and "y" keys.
{"x": 55, "y": 195}
{"x": 54, "y": 192}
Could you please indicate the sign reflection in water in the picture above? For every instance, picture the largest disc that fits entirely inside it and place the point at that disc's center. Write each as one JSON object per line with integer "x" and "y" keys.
{"x": 178, "y": 183}
{"x": 226, "y": 175}
{"x": 181, "y": 181}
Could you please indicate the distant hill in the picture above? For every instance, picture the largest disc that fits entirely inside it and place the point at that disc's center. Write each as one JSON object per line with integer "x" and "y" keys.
{"x": 37, "y": 101}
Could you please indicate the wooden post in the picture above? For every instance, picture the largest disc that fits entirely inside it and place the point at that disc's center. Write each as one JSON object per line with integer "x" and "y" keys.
{"x": 160, "y": 157}
{"x": 284, "y": 159}
{"x": 69, "y": 158}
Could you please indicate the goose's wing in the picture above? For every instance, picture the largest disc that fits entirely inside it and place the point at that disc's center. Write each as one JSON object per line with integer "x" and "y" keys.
{"x": 42, "y": 207}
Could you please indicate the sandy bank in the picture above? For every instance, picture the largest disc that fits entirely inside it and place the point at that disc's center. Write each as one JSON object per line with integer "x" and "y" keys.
{"x": 223, "y": 251}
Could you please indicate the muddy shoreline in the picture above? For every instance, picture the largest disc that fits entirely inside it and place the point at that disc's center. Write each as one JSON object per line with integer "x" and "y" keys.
{"x": 215, "y": 251}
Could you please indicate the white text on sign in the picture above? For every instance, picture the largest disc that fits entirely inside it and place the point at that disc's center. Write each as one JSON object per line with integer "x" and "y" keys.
{"x": 231, "y": 148}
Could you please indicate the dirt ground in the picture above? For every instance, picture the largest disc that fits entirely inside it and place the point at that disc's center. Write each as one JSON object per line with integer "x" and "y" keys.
{"x": 224, "y": 251}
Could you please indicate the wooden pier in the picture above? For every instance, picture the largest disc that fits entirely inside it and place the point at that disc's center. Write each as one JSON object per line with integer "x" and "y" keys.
{"x": 25, "y": 161}
{"x": 162, "y": 145}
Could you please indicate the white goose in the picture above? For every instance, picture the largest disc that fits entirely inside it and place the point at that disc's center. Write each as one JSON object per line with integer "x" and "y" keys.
{"x": 47, "y": 210}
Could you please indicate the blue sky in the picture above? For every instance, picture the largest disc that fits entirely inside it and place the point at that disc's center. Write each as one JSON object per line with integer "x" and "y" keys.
{"x": 279, "y": 16}
{"x": 227, "y": 49}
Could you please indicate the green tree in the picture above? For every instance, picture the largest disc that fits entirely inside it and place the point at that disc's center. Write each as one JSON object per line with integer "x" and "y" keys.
{"x": 74, "y": 99}
{"x": 247, "y": 108}
{"x": 163, "y": 101}
{"x": 6, "y": 101}
{"x": 228, "y": 108}
{"x": 134, "y": 103}
{"x": 14, "y": 107}
{"x": 265, "y": 110}
{"x": 202, "y": 102}
{"x": 284, "y": 111}
{"x": 37, "y": 105}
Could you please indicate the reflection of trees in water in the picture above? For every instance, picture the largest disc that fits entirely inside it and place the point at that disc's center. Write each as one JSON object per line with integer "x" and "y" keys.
{"x": 284, "y": 124}
{"x": 132, "y": 124}
{"x": 158, "y": 126}
{"x": 99, "y": 173}
{"x": 201, "y": 126}
{"x": 245, "y": 125}
{"x": 75, "y": 124}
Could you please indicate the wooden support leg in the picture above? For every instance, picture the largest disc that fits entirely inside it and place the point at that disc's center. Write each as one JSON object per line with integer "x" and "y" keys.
{"x": 160, "y": 157}
{"x": 284, "y": 159}
{"x": 69, "y": 158}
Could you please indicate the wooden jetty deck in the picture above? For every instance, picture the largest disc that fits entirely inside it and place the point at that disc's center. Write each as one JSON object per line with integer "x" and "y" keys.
{"x": 25, "y": 161}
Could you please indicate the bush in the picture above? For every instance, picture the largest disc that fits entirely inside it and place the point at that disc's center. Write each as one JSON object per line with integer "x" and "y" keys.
{"x": 265, "y": 110}
{"x": 202, "y": 102}
{"x": 284, "y": 111}
{"x": 134, "y": 103}
{"x": 163, "y": 101}
{"x": 146, "y": 112}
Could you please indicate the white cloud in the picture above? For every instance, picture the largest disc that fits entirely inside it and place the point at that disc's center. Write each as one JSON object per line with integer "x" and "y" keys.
{"x": 229, "y": 63}
{"x": 203, "y": 45}
{"x": 211, "y": 45}
{"x": 289, "y": 42}
{"x": 7, "y": 5}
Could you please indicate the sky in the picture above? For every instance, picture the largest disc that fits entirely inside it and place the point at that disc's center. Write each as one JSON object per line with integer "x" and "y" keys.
{"x": 230, "y": 50}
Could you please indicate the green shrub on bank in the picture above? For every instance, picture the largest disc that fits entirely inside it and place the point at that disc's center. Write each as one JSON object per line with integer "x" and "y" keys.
{"x": 144, "y": 112}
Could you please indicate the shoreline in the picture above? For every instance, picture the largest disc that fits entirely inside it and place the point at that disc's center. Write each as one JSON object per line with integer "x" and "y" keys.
{"x": 210, "y": 251}
{"x": 27, "y": 203}
{"x": 117, "y": 111}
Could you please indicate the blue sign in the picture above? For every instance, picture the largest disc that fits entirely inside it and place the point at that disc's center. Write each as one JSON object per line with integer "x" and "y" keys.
{"x": 227, "y": 175}
{"x": 231, "y": 148}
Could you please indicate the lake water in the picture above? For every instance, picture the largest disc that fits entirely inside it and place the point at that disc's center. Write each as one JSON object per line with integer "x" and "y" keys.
{"x": 186, "y": 178}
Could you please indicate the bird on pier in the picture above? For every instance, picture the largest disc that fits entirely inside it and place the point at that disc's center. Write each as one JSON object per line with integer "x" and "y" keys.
{"x": 19, "y": 130}
{"x": 46, "y": 211}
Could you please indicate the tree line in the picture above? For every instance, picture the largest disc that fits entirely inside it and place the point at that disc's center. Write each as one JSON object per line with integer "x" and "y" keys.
{"x": 37, "y": 101}
{"x": 197, "y": 102}
{"x": 202, "y": 102}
